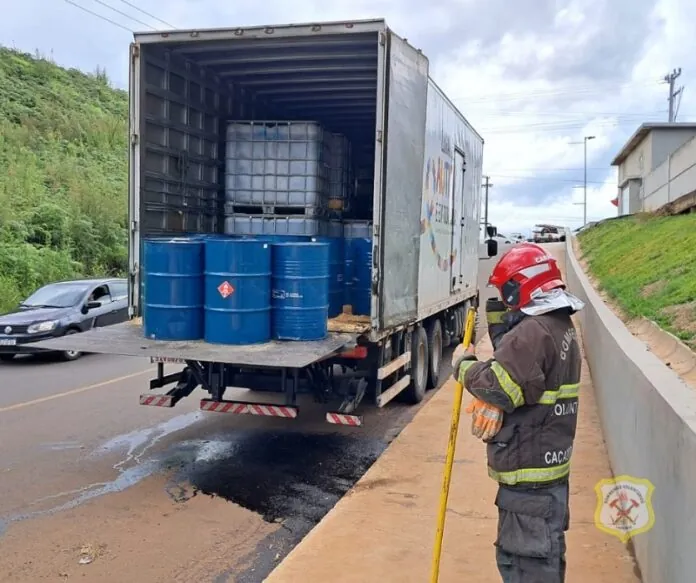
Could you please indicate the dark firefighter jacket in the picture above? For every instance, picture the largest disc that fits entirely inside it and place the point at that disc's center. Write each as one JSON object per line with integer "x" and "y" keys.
{"x": 534, "y": 377}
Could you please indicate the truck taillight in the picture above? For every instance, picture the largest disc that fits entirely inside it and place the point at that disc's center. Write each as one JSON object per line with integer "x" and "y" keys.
{"x": 356, "y": 353}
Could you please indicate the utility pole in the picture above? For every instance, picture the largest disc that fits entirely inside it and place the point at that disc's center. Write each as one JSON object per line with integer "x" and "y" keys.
{"x": 671, "y": 78}
{"x": 487, "y": 184}
{"x": 584, "y": 203}
{"x": 584, "y": 182}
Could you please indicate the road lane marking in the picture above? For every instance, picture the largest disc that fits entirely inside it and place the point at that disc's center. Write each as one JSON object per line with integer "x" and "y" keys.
{"x": 73, "y": 391}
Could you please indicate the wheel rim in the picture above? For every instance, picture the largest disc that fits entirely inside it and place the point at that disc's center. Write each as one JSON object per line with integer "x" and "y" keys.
{"x": 437, "y": 354}
{"x": 421, "y": 370}
{"x": 72, "y": 353}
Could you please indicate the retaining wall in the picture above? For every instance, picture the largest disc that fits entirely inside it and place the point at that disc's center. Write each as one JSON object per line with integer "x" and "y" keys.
{"x": 648, "y": 416}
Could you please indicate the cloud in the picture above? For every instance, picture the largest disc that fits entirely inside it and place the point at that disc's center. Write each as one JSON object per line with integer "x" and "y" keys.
{"x": 532, "y": 77}
{"x": 512, "y": 216}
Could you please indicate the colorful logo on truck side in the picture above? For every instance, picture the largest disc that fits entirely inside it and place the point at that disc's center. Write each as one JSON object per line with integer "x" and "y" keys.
{"x": 436, "y": 195}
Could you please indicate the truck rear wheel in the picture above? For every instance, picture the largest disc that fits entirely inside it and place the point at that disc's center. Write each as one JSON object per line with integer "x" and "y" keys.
{"x": 435, "y": 345}
{"x": 419, "y": 367}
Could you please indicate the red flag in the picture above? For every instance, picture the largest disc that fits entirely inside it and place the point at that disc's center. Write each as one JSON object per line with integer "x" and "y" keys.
{"x": 615, "y": 201}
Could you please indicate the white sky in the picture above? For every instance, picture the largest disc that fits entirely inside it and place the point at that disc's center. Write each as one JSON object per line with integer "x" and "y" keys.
{"x": 531, "y": 77}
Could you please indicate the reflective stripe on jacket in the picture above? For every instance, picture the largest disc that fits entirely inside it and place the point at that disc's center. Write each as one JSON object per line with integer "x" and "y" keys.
{"x": 534, "y": 377}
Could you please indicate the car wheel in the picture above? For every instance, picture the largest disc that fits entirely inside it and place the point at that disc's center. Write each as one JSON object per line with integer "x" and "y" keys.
{"x": 70, "y": 355}
{"x": 435, "y": 356}
{"x": 6, "y": 357}
{"x": 415, "y": 392}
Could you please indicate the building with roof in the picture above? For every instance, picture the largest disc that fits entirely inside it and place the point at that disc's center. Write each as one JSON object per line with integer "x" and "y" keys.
{"x": 656, "y": 166}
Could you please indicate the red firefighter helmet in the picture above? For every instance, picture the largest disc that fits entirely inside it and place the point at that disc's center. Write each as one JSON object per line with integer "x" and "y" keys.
{"x": 523, "y": 272}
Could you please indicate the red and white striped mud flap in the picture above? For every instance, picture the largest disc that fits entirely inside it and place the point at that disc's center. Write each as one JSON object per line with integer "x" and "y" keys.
{"x": 158, "y": 400}
{"x": 241, "y": 408}
{"x": 342, "y": 419}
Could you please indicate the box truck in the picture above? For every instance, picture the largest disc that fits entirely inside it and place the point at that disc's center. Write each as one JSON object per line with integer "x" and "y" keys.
{"x": 419, "y": 157}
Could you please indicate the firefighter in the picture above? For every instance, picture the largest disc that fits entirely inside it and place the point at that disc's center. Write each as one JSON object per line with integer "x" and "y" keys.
{"x": 525, "y": 409}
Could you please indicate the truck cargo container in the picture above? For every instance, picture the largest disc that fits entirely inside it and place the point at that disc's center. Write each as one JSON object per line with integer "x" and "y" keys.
{"x": 408, "y": 141}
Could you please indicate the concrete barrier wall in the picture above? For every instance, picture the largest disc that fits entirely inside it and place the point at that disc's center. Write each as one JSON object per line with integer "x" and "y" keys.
{"x": 648, "y": 416}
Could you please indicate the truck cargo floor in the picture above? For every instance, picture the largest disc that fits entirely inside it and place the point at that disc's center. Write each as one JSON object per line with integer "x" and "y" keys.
{"x": 127, "y": 340}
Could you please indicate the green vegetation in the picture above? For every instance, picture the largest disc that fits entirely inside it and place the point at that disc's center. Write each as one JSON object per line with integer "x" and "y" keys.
{"x": 648, "y": 266}
{"x": 63, "y": 175}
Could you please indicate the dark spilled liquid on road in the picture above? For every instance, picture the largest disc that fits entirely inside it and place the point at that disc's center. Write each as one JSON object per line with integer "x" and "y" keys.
{"x": 288, "y": 478}
{"x": 280, "y": 475}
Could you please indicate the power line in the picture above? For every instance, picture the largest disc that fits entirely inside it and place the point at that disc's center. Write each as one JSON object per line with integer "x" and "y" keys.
{"x": 533, "y": 113}
{"x": 558, "y": 126}
{"x": 117, "y": 11}
{"x": 545, "y": 179}
{"x": 583, "y": 89}
{"x": 88, "y": 11}
{"x": 579, "y": 169}
{"x": 148, "y": 14}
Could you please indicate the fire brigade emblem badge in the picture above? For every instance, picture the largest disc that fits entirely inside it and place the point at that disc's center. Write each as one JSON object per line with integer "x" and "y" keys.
{"x": 624, "y": 506}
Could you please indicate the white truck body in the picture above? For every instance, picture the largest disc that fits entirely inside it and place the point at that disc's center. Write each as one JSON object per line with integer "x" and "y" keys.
{"x": 427, "y": 161}
{"x": 356, "y": 78}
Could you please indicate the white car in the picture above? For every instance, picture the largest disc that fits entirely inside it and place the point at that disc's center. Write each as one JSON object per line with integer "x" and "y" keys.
{"x": 505, "y": 240}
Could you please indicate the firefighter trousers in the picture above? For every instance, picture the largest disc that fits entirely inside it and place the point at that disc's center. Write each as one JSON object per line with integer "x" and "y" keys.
{"x": 530, "y": 544}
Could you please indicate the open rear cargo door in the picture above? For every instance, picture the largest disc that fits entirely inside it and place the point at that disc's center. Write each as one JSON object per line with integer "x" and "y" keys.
{"x": 406, "y": 82}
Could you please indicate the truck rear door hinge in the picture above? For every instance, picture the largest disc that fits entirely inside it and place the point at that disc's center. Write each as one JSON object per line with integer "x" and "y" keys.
{"x": 379, "y": 136}
{"x": 134, "y": 139}
{"x": 134, "y": 226}
{"x": 382, "y": 39}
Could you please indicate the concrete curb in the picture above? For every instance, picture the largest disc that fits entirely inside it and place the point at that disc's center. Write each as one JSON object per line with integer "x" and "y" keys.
{"x": 648, "y": 416}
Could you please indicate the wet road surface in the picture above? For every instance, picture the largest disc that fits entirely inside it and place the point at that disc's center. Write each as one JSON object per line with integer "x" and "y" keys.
{"x": 161, "y": 495}
{"x": 95, "y": 486}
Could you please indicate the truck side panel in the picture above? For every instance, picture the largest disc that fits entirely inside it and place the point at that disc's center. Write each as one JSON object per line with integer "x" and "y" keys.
{"x": 407, "y": 87}
{"x": 449, "y": 241}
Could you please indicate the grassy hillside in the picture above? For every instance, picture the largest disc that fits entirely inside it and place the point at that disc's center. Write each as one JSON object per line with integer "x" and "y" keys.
{"x": 63, "y": 175}
{"x": 648, "y": 266}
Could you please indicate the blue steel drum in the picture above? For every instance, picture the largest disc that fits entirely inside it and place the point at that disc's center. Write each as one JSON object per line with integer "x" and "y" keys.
{"x": 173, "y": 288}
{"x": 300, "y": 296}
{"x": 237, "y": 291}
{"x": 348, "y": 271}
{"x": 336, "y": 275}
{"x": 361, "y": 290}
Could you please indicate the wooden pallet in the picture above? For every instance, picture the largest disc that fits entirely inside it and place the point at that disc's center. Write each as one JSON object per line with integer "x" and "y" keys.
{"x": 349, "y": 323}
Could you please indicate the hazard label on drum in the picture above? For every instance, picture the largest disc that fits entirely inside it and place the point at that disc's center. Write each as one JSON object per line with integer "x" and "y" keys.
{"x": 226, "y": 289}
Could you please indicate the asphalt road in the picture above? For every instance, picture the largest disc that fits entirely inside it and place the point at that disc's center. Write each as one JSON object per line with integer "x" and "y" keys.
{"x": 151, "y": 494}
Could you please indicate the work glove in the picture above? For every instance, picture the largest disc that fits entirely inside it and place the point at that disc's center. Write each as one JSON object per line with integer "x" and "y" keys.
{"x": 486, "y": 420}
{"x": 495, "y": 313}
{"x": 460, "y": 354}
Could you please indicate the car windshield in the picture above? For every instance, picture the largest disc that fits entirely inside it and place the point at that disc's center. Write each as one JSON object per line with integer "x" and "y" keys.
{"x": 56, "y": 295}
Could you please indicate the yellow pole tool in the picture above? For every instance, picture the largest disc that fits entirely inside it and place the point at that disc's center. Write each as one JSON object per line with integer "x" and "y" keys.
{"x": 451, "y": 445}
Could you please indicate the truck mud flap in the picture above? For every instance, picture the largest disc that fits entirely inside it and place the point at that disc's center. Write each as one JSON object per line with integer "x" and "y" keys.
{"x": 343, "y": 419}
{"x": 168, "y": 400}
{"x": 244, "y": 408}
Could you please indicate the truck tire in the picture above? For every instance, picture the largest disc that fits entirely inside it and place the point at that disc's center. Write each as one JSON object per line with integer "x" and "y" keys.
{"x": 435, "y": 345}
{"x": 415, "y": 392}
